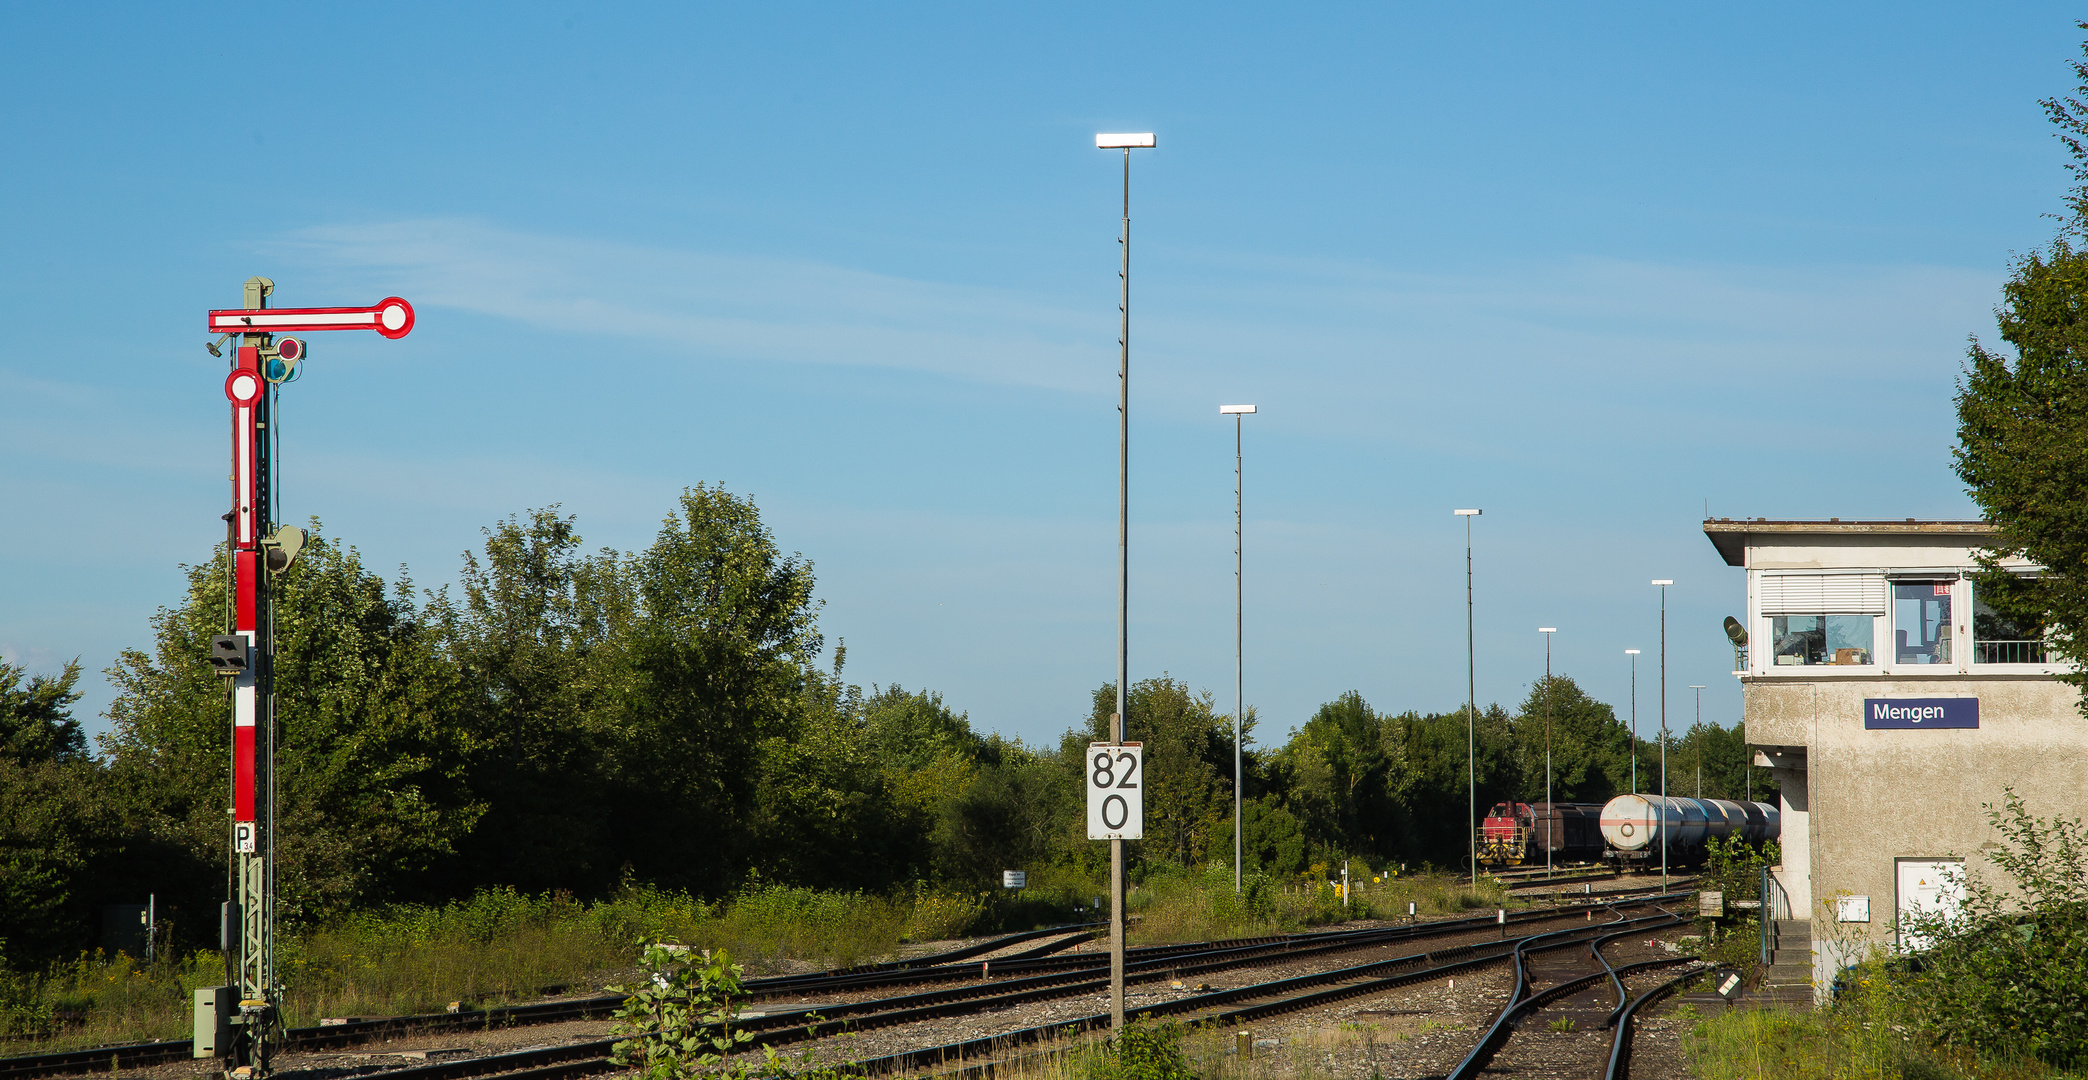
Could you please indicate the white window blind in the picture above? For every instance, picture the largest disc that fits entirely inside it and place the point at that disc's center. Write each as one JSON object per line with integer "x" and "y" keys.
{"x": 1823, "y": 594}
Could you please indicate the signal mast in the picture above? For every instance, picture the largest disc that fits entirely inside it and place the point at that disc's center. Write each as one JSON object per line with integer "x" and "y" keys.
{"x": 235, "y": 1021}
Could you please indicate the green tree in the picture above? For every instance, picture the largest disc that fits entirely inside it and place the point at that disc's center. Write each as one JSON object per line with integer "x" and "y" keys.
{"x": 534, "y": 640}
{"x": 36, "y": 721}
{"x": 1349, "y": 778}
{"x": 1188, "y": 764}
{"x": 1440, "y": 793}
{"x": 1015, "y": 812}
{"x": 369, "y": 768}
{"x": 721, "y": 647}
{"x": 911, "y": 730}
{"x": 1590, "y": 749}
{"x": 57, "y": 827}
{"x": 1725, "y": 757}
{"x": 2022, "y": 452}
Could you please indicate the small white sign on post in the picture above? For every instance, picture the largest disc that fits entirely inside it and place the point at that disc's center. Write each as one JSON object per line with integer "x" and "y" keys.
{"x": 1014, "y": 879}
{"x": 1116, "y": 791}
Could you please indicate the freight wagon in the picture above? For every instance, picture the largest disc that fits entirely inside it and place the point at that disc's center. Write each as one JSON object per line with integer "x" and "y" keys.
{"x": 1636, "y": 828}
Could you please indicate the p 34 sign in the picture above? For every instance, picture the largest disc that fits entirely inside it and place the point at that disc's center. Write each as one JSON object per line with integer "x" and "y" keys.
{"x": 1116, "y": 791}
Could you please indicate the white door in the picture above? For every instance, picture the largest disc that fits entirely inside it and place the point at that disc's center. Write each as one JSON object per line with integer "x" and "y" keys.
{"x": 1927, "y": 886}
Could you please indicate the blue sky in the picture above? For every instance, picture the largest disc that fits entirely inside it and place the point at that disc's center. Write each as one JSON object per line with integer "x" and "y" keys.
{"x": 1586, "y": 267}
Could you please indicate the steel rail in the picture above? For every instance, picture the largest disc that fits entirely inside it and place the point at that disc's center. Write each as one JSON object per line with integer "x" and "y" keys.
{"x": 1146, "y": 970}
{"x": 333, "y": 1035}
{"x": 1619, "y": 1067}
{"x": 1518, "y": 1005}
{"x": 819, "y": 1021}
{"x": 826, "y": 983}
{"x": 591, "y": 1056}
{"x": 932, "y": 1056}
{"x": 1154, "y": 961}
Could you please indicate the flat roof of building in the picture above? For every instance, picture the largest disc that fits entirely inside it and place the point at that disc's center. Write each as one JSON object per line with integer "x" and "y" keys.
{"x": 1729, "y": 535}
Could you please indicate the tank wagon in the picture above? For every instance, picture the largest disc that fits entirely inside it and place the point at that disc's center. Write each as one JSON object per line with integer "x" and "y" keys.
{"x": 1516, "y": 834}
{"x": 1635, "y": 827}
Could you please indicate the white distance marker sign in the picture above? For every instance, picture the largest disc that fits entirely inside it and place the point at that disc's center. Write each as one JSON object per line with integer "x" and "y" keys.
{"x": 1116, "y": 791}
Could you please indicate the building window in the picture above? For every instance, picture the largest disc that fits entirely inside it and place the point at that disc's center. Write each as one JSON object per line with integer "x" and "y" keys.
{"x": 1921, "y": 622}
{"x": 1821, "y": 639}
{"x": 1999, "y": 639}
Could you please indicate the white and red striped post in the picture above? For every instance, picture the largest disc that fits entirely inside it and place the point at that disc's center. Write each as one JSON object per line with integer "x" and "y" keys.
{"x": 250, "y": 390}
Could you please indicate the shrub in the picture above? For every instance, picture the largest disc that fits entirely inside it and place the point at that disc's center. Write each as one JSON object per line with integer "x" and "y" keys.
{"x": 679, "y": 1016}
{"x": 2006, "y": 975}
{"x": 1142, "y": 1051}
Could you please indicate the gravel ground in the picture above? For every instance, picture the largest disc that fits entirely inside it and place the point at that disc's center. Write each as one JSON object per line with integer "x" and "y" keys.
{"x": 1413, "y": 1031}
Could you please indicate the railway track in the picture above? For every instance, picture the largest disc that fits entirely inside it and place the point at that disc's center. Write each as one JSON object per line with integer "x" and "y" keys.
{"x": 1225, "y": 1007}
{"x": 330, "y": 1036}
{"x": 1019, "y": 979}
{"x": 1572, "y": 997}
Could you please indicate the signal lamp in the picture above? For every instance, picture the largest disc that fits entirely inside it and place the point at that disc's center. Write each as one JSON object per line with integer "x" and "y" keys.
{"x": 280, "y": 550}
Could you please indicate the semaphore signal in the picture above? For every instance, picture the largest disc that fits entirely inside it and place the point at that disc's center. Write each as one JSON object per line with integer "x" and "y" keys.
{"x": 235, "y": 1021}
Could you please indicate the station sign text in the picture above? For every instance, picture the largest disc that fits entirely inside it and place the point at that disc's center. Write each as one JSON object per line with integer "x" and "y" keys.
{"x": 1944, "y": 712}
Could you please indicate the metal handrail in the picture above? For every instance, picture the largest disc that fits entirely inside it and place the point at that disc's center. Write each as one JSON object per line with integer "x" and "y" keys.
{"x": 1776, "y": 905}
{"x": 2024, "y": 651}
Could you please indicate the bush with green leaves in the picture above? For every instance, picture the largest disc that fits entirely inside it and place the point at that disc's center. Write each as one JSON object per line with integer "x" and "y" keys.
{"x": 1142, "y": 1051}
{"x": 2006, "y": 974}
{"x": 679, "y": 1018}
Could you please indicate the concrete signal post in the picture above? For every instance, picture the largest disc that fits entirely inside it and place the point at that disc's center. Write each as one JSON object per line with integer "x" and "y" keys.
{"x": 1126, "y": 142}
{"x": 1665, "y": 830}
{"x": 1471, "y": 705}
{"x": 235, "y": 1022}
{"x": 1239, "y": 413}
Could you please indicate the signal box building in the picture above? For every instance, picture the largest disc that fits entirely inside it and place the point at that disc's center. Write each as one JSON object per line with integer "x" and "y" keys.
{"x": 1893, "y": 706}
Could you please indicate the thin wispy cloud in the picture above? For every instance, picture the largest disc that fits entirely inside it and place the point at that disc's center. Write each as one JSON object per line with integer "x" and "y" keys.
{"x": 1315, "y": 320}
{"x": 739, "y": 307}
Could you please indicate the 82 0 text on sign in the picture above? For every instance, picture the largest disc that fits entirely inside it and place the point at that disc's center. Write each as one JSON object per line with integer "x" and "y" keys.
{"x": 1116, "y": 791}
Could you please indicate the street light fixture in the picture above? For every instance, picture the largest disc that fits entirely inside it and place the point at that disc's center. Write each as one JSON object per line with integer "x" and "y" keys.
{"x": 1549, "y": 808}
{"x": 1238, "y": 412}
{"x": 1665, "y": 838}
{"x": 1471, "y": 706}
{"x": 1126, "y": 143}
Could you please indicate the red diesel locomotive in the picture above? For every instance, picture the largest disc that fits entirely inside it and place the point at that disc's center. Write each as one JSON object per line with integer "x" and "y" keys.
{"x": 1518, "y": 834}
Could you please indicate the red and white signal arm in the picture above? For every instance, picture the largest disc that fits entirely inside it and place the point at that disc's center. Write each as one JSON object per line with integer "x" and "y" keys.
{"x": 390, "y": 317}
{"x": 1115, "y": 791}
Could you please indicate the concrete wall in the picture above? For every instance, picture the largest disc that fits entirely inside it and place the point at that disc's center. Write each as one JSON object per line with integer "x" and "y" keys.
{"x": 1795, "y": 874}
{"x": 1864, "y": 551}
{"x": 1876, "y": 796}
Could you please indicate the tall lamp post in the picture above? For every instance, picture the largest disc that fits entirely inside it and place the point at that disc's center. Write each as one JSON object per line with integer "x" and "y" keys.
{"x": 1549, "y": 809}
{"x": 1666, "y": 834}
{"x": 1634, "y": 654}
{"x": 1696, "y": 737}
{"x": 1471, "y": 705}
{"x": 1126, "y": 143}
{"x": 1238, "y": 413}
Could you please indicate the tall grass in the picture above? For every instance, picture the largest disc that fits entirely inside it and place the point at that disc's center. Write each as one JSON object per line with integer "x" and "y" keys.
{"x": 1868, "y": 1033}
{"x": 497, "y": 946}
{"x": 1178, "y": 906}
